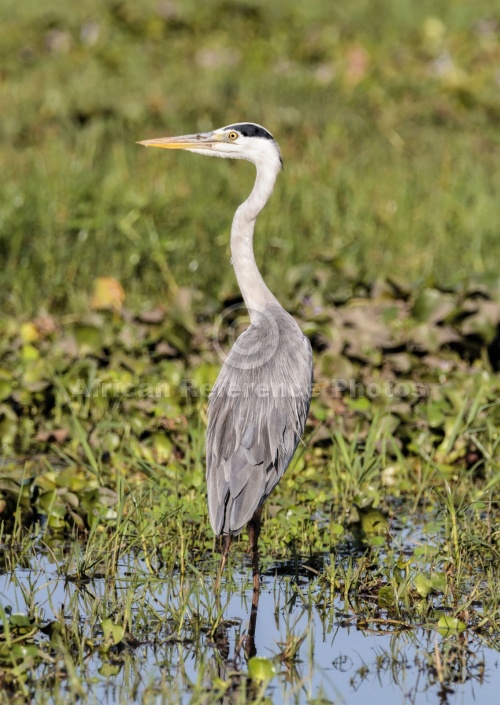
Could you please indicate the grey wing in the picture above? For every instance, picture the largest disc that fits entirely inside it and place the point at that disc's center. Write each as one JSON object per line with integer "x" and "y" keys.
{"x": 257, "y": 415}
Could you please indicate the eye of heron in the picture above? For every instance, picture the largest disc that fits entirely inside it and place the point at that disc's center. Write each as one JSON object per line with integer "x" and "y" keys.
{"x": 233, "y": 135}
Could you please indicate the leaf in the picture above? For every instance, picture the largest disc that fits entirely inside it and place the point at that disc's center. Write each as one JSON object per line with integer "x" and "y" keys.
{"x": 108, "y": 670}
{"x": 113, "y": 633}
{"x": 29, "y": 353}
{"x": 108, "y": 294}
{"x": 335, "y": 366}
{"x": 385, "y": 596}
{"x": 261, "y": 669}
{"x": 422, "y": 585}
{"x": 359, "y": 404}
{"x": 8, "y": 425}
{"x": 163, "y": 446}
{"x": 20, "y": 652}
{"x": 336, "y": 529}
{"x": 434, "y": 413}
{"x": 28, "y": 332}
{"x": 89, "y": 338}
{"x": 5, "y": 388}
{"x": 432, "y": 306}
{"x": 438, "y": 582}
{"x": 46, "y": 501}
{"x": 449, "y": 625}
{"x": 19, "y": 620}
{"x": 98, "y": 505}
{"x": 373, "y": 521}
{"x": 55, "y": 630}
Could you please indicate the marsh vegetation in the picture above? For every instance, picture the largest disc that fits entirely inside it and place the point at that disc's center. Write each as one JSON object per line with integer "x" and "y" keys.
{"x": 380, "y": 548}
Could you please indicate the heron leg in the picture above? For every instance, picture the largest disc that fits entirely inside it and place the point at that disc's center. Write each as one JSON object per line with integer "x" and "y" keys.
{"x": 253, "y": 533}
{"x": 226, "y": 544}
{"x": 250, "y": 649}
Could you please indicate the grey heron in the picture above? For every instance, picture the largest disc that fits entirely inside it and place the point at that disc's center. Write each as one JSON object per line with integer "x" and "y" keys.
{"x": 259, "y": 404}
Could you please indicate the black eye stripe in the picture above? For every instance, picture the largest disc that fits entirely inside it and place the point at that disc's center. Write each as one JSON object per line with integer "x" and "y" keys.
{"x": 248, "y": 129}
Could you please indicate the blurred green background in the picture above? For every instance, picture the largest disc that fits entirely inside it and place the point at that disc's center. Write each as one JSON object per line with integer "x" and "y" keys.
{"x": 387, "y": 114}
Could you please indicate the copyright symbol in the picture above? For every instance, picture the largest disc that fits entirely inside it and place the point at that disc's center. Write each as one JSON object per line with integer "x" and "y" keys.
{"x": 251, "y": 346}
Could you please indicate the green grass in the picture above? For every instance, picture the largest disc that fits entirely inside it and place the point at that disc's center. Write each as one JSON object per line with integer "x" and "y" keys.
{"x": 390, "y": 155}
{"x": 381, "y": 238}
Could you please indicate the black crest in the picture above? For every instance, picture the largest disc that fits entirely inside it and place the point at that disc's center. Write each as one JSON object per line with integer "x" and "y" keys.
{"x": 248, "y": 129}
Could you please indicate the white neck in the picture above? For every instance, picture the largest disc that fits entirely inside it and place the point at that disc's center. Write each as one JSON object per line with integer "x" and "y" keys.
{"x": 255, "y": 293}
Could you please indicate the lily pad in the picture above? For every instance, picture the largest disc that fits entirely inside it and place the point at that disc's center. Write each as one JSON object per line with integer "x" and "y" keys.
{"x": 450, "y": 625}
{"x": 425, "y": 585}
{"x": 113, "y": 633}
{"x": 261, "y": 669}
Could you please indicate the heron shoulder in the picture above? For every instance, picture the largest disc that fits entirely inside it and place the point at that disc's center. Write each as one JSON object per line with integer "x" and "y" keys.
{"x": 272, "y": 347}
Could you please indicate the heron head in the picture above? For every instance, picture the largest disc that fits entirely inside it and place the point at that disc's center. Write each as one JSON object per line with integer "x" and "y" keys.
{"x": 243, "y": 140}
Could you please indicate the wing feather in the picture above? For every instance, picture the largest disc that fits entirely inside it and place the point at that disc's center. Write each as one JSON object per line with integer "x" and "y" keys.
{"x": 257, "y": 414}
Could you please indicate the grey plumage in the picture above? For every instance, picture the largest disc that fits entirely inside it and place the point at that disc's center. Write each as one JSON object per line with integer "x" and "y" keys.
{"x": 257, "y": 413}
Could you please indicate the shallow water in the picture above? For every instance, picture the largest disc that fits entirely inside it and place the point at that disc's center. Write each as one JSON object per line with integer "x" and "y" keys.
{"x": 337, "y": 662}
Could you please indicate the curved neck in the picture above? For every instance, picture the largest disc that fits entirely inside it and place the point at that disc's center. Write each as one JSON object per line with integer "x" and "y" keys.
{"x": 255, "y": 293}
